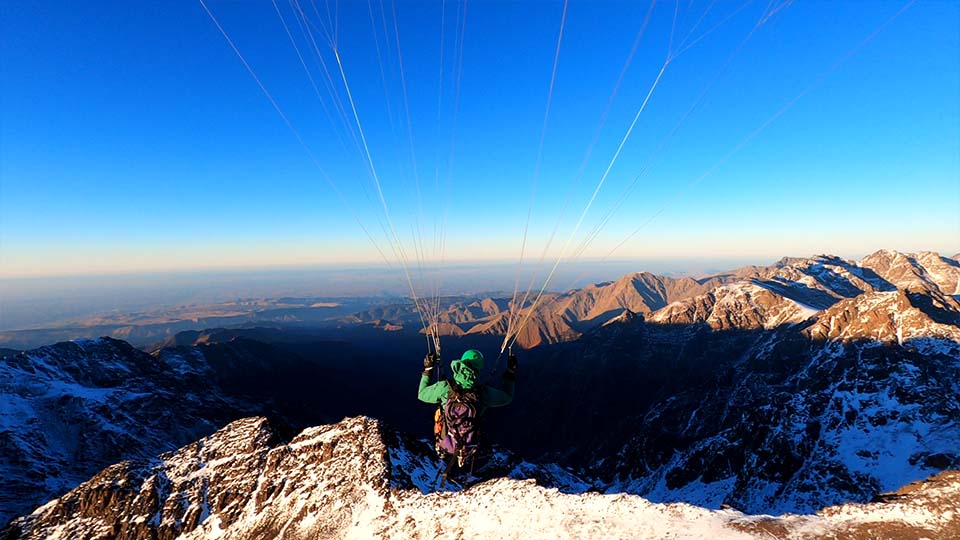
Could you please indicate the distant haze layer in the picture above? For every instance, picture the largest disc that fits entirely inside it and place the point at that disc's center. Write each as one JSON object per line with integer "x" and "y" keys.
{"x": 28, "y": 302}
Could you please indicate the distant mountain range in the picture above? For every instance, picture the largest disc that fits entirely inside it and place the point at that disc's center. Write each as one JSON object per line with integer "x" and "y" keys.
{"x": 808, "y": 383}
{"x": 788, "y": 291}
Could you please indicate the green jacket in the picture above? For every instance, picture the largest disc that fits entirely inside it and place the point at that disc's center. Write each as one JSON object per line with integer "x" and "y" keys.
{"x": 489, "y": 396}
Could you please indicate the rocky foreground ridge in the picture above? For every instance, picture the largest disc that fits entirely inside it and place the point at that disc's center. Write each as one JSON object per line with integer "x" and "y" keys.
{"x": 359, "y": 479}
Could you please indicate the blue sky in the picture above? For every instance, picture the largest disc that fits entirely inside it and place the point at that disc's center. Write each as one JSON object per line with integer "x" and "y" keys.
{"x": 132, "y": 138}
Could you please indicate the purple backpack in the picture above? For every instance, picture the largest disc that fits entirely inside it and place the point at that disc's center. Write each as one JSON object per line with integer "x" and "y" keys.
{"x": 460, "y": 432}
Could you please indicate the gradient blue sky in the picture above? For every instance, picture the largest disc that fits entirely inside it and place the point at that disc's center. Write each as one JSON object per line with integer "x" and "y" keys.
{"x": 132, "y": 138}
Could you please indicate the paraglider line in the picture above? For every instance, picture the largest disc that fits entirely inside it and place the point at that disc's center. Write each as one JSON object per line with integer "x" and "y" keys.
{"x": 293, "y": 130}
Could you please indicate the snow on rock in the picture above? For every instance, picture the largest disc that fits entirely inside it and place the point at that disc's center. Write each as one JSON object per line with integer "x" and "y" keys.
{"x": 926, "y": 509}
{"x": 915, "y": 271}
{"x": 70, "y": 409}
{"x": 869, "y": 404}
{"x": 943, "y": 271}
{"x": 883, "y": 317}
{"x": 340, "y": 481}
{"x": 742, "y": 305}
{"x": 505, "y": 508}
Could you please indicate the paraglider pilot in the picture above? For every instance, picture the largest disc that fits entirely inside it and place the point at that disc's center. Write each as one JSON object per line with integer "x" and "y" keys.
{"x": 462, "y": 401}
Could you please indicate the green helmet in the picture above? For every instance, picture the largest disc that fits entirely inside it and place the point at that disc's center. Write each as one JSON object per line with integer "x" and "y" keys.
{"x": 472, "y": 358}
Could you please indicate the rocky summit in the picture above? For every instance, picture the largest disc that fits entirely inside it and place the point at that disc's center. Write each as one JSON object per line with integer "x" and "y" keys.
{"x": 358, "y": 479}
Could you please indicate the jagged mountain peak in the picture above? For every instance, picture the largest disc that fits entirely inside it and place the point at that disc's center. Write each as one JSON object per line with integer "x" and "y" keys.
{"x": 787, "y": 261}
{"x": 915, "y": 272}
{"x": 883, "y": 317}
{"x": 358, "y": 479}
{"x": 739, "y": 305}
{"x": 489, "y": 305}
{"x": 626, "y": 317}
{"x": 885, "y": 252}
{"x": 354, "y": 478}
{"x": 114, "y": 359}
{"x": 897, "y": 255}
{"x": 800, "y": 288}
{"x": 823, "y": 258}
{"x": 208, "y": 486}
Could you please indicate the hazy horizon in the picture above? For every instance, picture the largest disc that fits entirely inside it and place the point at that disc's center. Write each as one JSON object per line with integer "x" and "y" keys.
{"x": 42, "y": 300}
{"x": 38, "y": 301}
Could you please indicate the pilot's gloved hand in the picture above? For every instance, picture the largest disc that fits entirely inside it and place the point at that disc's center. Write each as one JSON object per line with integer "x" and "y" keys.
{"x": 429, "y": 361}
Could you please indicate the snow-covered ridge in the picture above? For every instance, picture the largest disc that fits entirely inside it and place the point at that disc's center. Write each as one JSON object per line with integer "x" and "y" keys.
{"x": 822, "y": 287}
{"x": 71, "y": 408}
{"x": 353, "y": 480}
{"x": 849, "y": 389}
{"x": 889, "y": 317}
{"x": 804, "y": 418}
{"x": 741, "y": 305}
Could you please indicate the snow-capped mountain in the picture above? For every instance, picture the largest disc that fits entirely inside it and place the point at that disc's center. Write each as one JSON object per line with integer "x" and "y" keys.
{"x": 358, "y": 479}
{"x": 894, "y": 316}
{"x": 809, "y": 382}
{"x": 69, "y": 409}
{"x": 859, "y": 399}
{"x": 790, "y": 290}
{"x": 742, "y": 305}
{"x": 794, "y": 290}
{"x": 923, "y": 271}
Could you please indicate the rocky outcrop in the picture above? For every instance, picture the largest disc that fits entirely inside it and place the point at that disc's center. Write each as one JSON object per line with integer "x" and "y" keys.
{"x": 923, "y": 509}
{"x": 741, "y": 306}
{"x": 357, "y": 479}
{"x": 887, "y": 317}
{"x": 330, "y": 481}
{"x": 915, "y": 272}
